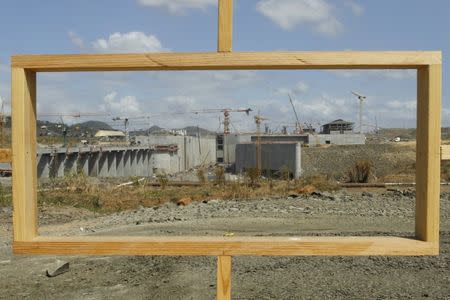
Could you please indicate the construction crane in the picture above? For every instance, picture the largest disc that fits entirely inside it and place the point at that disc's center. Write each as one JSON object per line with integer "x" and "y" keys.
{"x": 226, "y": 114}
{"x": 126, "y": 122}
{"x": 298, "y": 127}
{"x": 258, "y": 121}
{"x": 73, "y": 115}
{"x": 361, "y": 101}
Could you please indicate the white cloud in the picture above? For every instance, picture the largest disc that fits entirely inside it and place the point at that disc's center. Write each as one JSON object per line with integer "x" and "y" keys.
{"x": 76, "y": 39}
{"x": 299, "y": 88}
{"x": 288, "y": 14}
{"x": 380, "y": 74}
{"x": 356, "y": 8}
{"x": 134, "y": 41}
{"x": 179, "y": 6}
{"x": 125, "y": 106}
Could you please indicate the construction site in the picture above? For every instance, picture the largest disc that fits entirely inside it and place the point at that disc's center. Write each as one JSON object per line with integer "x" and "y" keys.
{"x": 132, "y": 169}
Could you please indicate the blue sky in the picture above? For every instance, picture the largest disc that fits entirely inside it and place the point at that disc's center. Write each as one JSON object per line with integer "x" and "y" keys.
{"x": 100, "y": 26}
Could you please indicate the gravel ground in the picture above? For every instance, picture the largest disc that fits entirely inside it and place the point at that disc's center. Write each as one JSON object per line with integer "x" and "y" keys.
{"x": 346, "y": 212}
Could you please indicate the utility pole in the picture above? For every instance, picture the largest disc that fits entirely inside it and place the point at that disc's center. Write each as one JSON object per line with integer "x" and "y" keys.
{"x": 258, "y": 120}
{"x": 361, "y": 101}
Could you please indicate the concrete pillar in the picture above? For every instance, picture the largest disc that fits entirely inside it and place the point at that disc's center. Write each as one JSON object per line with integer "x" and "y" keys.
{"x": 103, "y": 164}
{"x": 93, "y": 164}
{"x": 43, "y": 165}
{"x": 82, "y": 163}
{"x": 111, "y": 163}
{"x": 126, "y": 163}
{"x": 119, "y": 163}
{"x": 70, "y": 163}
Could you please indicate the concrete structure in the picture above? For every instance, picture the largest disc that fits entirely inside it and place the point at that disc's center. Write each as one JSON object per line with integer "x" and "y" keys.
{"x": 192, "y": 150}
{"x": 336, "y": 139}
{"x": 337, "y": 126}
{"x": 107, "y": 161}
{"x": 316, "y": 139}
{"x": 226, "y": 146}
{"x": 274, "y": 157}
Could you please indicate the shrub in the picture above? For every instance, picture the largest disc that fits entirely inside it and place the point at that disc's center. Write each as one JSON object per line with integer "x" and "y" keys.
{"x": 219, "y": 173}
{"x": 163, "y": 180}
{"x": 253, "y": 175}
{"x": 360, "y": 172}
{"x": 201, "y": 175}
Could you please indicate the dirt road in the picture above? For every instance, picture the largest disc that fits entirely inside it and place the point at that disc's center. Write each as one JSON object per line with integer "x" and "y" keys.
{"x": 343, "y": 213}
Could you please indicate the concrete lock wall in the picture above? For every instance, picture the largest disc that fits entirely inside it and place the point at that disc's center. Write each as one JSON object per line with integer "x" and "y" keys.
{"x": 274, "y": 157}
{"x": 337, "y": 139}
{"x": 192, "y": 151}
{"x": 95, "y": 161}
{"x": 143, "y": 160}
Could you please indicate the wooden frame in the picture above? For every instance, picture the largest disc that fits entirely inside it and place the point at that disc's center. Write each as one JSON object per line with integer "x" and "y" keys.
{"x": 425, "y": 242}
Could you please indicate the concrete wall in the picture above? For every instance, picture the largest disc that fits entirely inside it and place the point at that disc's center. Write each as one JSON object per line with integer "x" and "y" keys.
{"x": 230, "y": 142}
{"x": 274, "y": 156}
{"x": 98, "y": 161}
{"x": 192, "y": 151}
{"x": 337, "y": 139}
{"x": 317, "y": 139}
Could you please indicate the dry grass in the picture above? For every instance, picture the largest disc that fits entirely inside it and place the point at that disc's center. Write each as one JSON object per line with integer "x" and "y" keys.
{"x": 76, "y": 190}
{"x": 360, "y": 172}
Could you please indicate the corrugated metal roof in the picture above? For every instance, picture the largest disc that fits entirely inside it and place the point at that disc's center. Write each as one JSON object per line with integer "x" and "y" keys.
{"x": 103, "y": 133}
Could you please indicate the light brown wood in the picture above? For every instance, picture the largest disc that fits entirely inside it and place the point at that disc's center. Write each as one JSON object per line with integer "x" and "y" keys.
{"x": 224, "y": 277}
{"x": 429, "y": 89}
{"x": 228, "y": 246}
{"x": 5, "y": 155}
{"x": 228, "y": 61}
{"x": 225, "y": 27}
{"x": 445, "y": 152}
{"x": 24, "y": 181}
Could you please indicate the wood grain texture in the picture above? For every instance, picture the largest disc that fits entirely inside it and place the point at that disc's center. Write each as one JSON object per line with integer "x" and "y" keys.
{"x": 227, "y": 61}
{"x": 429, "y": 89}
{"x": 223, "y": 277}
{"x": 225, "y": 26}
{"x": 445, "y": 152}
{"x": 5, "y": 155}
{"x": 24, "y": 181}
{"x": 228, "y": 246}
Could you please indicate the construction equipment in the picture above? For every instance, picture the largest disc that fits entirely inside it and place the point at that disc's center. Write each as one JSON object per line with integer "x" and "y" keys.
{"x": 298, "y": 126}
{"x": 226, "y": 113}
{"x": 361, "y": 100}
{"x": 258, "y": 121}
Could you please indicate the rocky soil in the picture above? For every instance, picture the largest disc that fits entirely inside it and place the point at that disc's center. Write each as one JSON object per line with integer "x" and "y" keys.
{"x": 347, "y": 212}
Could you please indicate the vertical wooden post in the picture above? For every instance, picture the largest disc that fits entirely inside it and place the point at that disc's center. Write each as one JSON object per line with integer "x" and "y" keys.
{"x": 224, "y": 277}
{"x": 429, "y": 89}
{"x": 225, "y": 28}
{"x": 24, "y": 181}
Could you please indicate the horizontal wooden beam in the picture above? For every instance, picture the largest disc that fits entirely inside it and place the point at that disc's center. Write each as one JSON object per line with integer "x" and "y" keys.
{"x": 228, "y": 61}
{"x": 445, "y": 152}
{"x": 5, "y": 155}
{"x": 232, "y": 246}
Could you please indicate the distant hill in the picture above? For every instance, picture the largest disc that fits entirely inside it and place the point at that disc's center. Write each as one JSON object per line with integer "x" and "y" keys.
{"x": 190, "y": 130}
{"x": 88, "y": 128}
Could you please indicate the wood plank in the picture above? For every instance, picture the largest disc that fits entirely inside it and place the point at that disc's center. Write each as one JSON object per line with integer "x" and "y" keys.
{"x": 24, "y": 181}
{"x": 228, "y": 61}
{"x": 225, "y": 27}
{"x": 429, "y": 89}
{"x": 445, "y": 152}
{"x": 228, "y": 246}
{"x": 224, "y": 277}
{"x": 5, "y": 155}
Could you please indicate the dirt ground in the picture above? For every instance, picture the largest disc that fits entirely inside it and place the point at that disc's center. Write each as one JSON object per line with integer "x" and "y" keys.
{"x": 346, "y": 212}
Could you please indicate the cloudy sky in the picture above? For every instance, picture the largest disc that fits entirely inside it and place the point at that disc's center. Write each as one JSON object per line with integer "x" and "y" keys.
{"x": 168, "y": 98}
